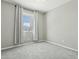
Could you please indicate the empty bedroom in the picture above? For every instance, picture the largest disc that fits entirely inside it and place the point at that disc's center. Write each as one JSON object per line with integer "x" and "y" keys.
{"x": 39, "y": 29}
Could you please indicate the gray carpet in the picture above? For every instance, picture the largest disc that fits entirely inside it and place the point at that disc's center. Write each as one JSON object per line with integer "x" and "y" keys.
{"x": 38, "y": 51}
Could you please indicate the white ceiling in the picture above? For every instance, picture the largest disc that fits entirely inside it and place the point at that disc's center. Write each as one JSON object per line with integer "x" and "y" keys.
{"x": 42, "y": 5}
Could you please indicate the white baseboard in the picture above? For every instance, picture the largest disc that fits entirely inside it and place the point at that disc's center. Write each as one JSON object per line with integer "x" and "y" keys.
{"x": 60, "y": 45}
{"x": 39, "y": 41}
{"x": 50, "y": 42}
{"x": 16, "y": 46}
{"x": 22, "y": 45}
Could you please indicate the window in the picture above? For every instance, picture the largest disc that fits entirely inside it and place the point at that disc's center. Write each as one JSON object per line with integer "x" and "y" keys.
{"x": 26, "y": 23}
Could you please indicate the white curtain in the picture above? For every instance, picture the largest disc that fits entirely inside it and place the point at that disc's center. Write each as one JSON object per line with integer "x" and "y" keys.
{"x": 17, "y": 25}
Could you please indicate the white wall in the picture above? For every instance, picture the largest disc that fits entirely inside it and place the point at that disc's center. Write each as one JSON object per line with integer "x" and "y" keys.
{"x": 62, "y": 25}
{"x": 7, "y": 24}
{"x": 41, "y": 30}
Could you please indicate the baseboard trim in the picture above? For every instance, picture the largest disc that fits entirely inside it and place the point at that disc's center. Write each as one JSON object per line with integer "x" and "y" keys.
{"x": 39, "y": 41}
{"x": 60, "y": 45}
{"x": 2, "y": 49}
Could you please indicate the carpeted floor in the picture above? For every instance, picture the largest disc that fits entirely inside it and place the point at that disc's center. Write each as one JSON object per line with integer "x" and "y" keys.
{"x": 38, "y": 51}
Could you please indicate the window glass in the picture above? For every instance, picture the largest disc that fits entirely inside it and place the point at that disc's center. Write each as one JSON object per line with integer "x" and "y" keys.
{"x": 26, "y": 22}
